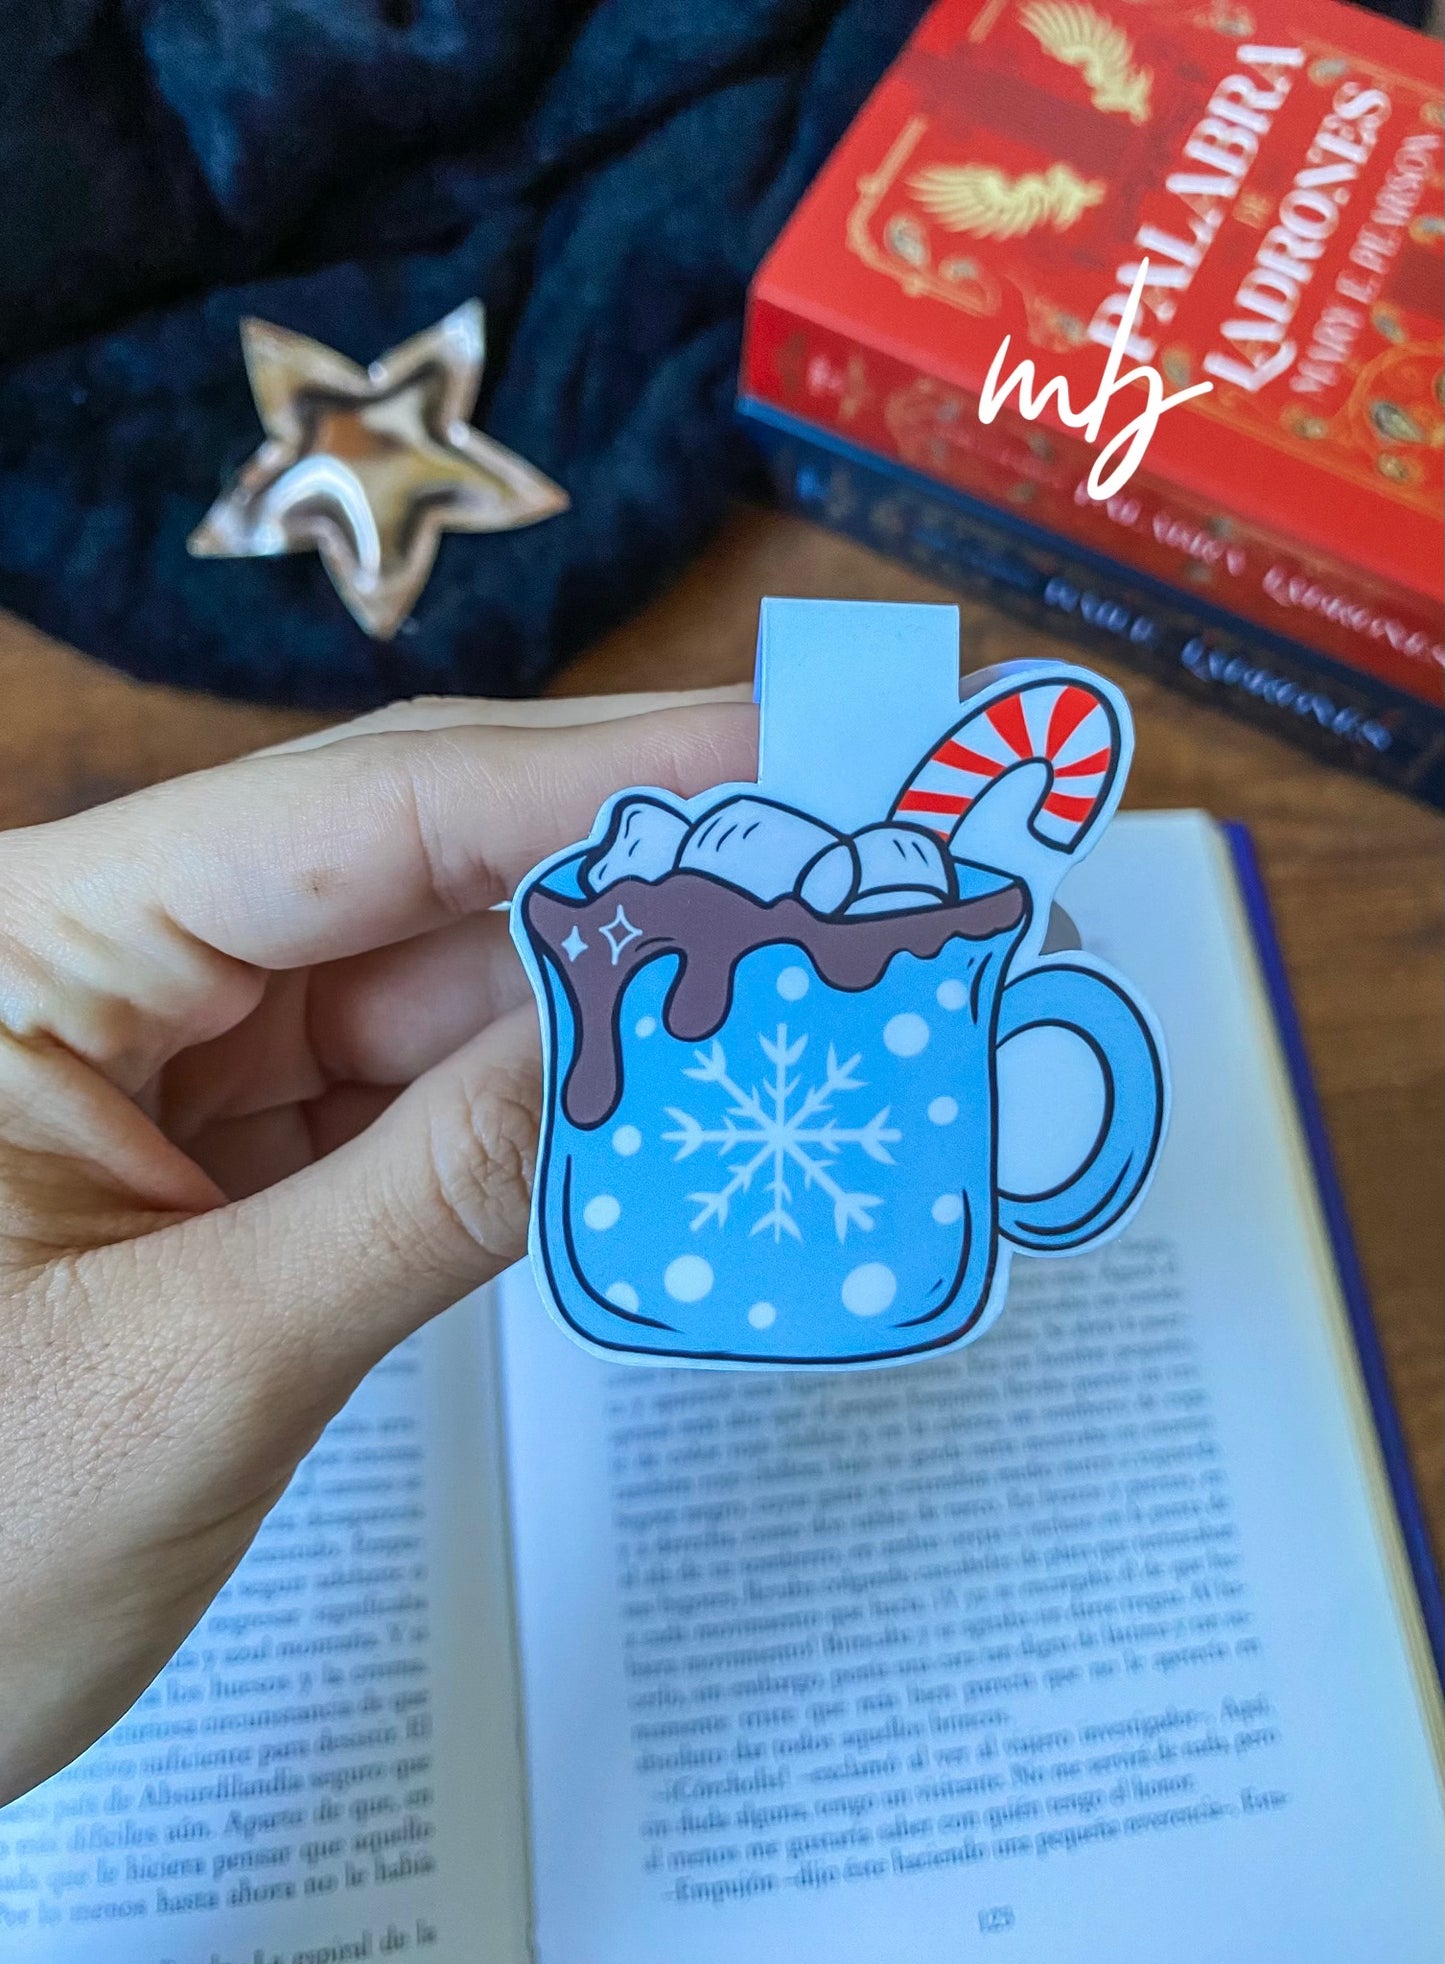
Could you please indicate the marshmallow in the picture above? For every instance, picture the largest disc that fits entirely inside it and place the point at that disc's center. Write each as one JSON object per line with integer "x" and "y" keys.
{"x": 893, "y": 856}
{"x": 768, "y": 850}
{"x": 760, "y": 847}
{"x": 642, "y": 844}
{"x": 832, "y": 879}
{"x": 884, "y": 869}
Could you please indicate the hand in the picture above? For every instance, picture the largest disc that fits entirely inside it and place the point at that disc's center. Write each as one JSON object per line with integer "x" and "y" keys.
{"x": 269, "y": 1092}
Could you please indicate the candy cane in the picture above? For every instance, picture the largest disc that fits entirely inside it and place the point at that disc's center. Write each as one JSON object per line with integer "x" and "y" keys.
{"x": 1069, "y": 726}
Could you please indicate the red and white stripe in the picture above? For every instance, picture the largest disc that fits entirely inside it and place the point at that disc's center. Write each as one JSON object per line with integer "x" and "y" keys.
{"x": 1067, "y": 725}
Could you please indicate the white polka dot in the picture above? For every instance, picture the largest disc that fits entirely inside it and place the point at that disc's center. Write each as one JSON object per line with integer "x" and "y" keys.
{"x": 603, "y": 1210}
{"x": 622, "y": 1295}
{"x": 868, "y": 1289}
{"x": 762, "y": 1316}
{"x": 906, "y": 1035}
{"x": 793, "y": 984}
{"x": 943, "y": 1111}
{"x": 947, "y": 1208}
{"x": 627, "y": 1140}
{"x": 952, "y": 994}
{"x": 687, "y": 1279}
{"x": 644, "y": 1026}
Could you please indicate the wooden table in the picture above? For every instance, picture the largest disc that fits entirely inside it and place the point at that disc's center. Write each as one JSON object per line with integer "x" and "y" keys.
{"x": 1354, "y": 872}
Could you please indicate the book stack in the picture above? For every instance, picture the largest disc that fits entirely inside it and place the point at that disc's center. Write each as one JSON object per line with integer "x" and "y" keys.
{"x": 1279, "y": 167}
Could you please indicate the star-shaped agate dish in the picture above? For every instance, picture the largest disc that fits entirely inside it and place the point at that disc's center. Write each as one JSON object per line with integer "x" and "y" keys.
{"x": 369, "y": 466}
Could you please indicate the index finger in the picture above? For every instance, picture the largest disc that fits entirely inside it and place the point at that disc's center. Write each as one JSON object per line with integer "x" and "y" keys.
{"x": 498, "y": 712}
{"x": 282, "y": 860}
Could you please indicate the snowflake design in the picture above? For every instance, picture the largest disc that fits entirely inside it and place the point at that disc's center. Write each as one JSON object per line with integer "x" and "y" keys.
{"x": 781, "y": 1140}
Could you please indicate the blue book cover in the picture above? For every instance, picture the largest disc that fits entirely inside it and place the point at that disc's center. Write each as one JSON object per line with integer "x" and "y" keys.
{"x": 1340, "y": 714}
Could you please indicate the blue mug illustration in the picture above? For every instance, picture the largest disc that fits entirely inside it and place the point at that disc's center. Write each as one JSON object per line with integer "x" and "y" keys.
{"x": 772, "y": 1135}
{"x": 794, "y": 1112}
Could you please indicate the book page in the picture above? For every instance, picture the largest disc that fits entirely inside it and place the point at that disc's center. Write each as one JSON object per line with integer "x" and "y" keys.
{"x": 1083, "y": 1643}
{"x": 328, "y": 1769}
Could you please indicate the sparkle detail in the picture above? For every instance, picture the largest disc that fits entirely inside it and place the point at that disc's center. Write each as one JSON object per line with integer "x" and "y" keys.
{"x": 619, "y": 933}
{"x": 574, "y": 945}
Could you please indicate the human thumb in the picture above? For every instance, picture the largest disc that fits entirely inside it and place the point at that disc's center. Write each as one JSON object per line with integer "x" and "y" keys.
{"x": 305, "y": 1285}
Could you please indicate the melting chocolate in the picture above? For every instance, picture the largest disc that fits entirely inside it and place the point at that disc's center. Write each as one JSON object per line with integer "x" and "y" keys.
{"x": 711, "y": 927}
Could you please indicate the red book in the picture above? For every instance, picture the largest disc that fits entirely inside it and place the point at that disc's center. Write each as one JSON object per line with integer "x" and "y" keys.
{"x": 1280, "y": 166}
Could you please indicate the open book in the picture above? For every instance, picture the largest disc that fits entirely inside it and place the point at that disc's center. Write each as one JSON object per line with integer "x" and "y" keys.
{"x": 1095, "y": 1643}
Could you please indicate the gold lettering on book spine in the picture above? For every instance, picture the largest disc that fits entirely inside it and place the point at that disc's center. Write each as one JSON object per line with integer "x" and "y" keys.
{"x": 1081, "y": 37}
{"x": 983, "y": 200}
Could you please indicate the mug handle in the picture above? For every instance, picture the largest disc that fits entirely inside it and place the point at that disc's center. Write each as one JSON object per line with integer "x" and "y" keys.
{"x": 1092, "y": 1200}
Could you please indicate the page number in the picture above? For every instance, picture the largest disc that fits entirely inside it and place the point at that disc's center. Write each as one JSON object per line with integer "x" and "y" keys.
{"x": 990, "y": 1921}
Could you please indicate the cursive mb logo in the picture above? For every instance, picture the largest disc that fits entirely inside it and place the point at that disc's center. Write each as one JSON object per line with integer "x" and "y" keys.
{"x": 1125, "y": 449}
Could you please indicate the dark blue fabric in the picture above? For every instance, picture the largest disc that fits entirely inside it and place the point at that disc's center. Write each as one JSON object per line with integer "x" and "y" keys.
{"x": 603, "y": 174}
{"x": 603, "y": 177}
